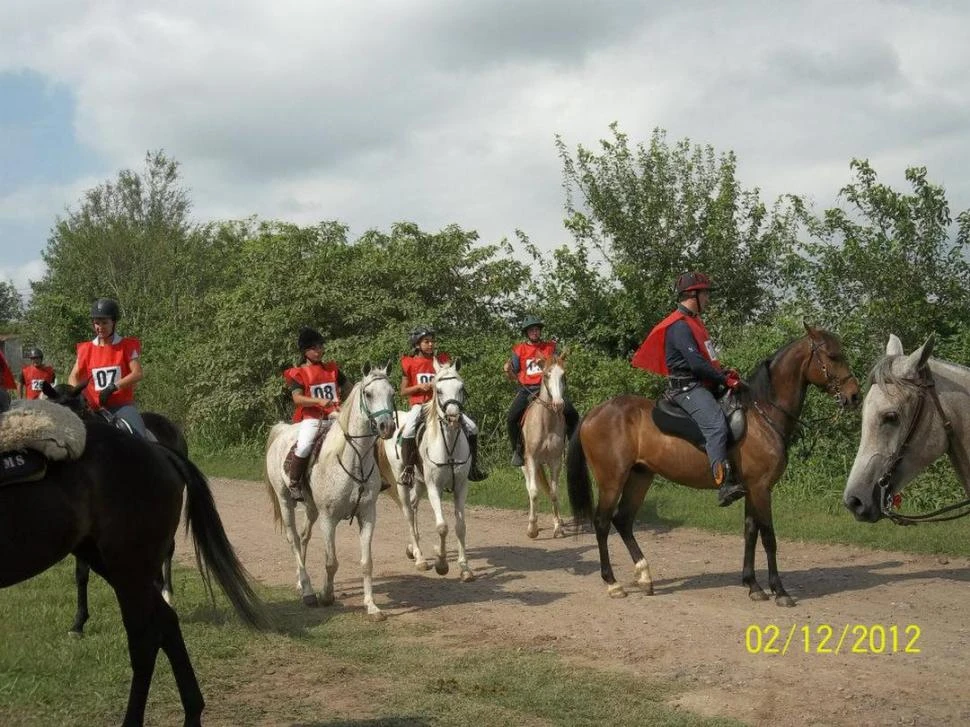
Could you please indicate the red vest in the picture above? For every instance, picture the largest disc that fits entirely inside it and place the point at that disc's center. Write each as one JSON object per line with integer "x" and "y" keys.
{"x": 104, "y": 365}
{"x": 33, "y": 378}
{"x": 420, "y": 370}
{"x": 319, "y": 380}
{"x": 652, "y": 352}
{"x": 530, "y": 360}
{"x": 6, "y": 375}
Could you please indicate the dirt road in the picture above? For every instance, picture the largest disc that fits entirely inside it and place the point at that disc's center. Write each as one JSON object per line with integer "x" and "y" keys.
{"x": 700, "y": 628}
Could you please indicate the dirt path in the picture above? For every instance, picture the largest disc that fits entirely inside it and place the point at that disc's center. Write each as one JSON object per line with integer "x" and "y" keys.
{"x": 547, "y": 595}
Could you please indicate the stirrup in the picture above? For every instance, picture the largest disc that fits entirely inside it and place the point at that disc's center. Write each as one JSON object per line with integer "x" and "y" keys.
{"x": 729, "y": 492}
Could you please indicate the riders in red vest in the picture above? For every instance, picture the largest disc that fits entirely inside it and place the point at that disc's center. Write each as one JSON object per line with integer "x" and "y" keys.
{"x": 110, "y": 365}
{"x": 315, "y": 387}
{"x": 418, "y": 373}
{"x": 34, "y": 375}
{"x": 525, "y": 369}
{"x": 680, "y": 348}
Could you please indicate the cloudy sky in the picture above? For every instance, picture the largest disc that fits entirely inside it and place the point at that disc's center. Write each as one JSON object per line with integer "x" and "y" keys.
{"x": 446, "y": 111}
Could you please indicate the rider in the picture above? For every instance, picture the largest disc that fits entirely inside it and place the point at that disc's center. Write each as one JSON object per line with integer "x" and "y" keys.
{"x": 525, "y": 369}
{"x": 315, "y": 387}
{"x": 33, "y": 376}
{"x": 680, "y": 348}
{"x": 110, "y": 366}
{"x": 418, "y": 370}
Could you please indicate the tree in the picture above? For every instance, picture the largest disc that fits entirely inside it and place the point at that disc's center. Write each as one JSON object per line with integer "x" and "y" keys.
{"x": 11, "y": 304}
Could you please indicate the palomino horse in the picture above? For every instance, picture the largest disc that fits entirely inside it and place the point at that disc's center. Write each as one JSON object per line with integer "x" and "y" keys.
{"x": 544, "y": 441}
{"x": 444, "y": 454}
{"x": 344, "y": 481}
{"x": 625, "y": 450}
{"x": 916, "y": 410}
{"x": 118, "y": 507}
{"x": 166, "y": 433}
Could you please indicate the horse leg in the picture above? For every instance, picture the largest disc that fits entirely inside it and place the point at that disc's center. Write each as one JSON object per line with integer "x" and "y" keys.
{"x": 409, "y": 506}
{"x": 755, "y": 592}
{"x": 441, "y": 526}
{"x": 610, "y": 488}
{"x": 329, "y": 528}
{"x": 82, "y": 574}
{"x": 139, "y": 607}
{"x": 288, "y": 512}
{"x": 173, "y": 644}
{"x": 626, "y": 514}
{"x": 311, "y": 513}
{"x": 770, "y": 544}
{"x": 367, "y": 520}
{"x": 554, "y": 468}
{"x": 168, "y": 591}
{"x": 461, "y": 493}
{"x": 530, "y": 470}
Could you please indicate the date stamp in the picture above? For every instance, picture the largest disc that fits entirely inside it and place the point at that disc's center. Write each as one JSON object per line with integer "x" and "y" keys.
{"x": 826, "y": 639}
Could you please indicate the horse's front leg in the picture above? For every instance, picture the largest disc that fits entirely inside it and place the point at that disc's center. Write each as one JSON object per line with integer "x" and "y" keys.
{"x": 761, "y": 506}
{"x": 82, "y": 574}
{"x": 328, "y": 527}
{"x": 409, "y": 498}
{"x": 298, "y": 546}
{"x": 461, "y": 493}
{"x": 554, "y": 468}
{"x": 626, "y": 513}
{"x": 531, "y": 472}
{"x": 432, "y": 475}
{"x": 367, "y": 520}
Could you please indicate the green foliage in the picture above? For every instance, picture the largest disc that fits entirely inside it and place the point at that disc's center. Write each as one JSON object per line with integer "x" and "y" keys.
{"x": 11, "y": 304}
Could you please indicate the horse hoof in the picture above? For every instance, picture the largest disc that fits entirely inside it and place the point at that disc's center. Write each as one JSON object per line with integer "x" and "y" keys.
{"x": 532, "y": 532}
{"x": 423, "y": 565}
{"x": 467, "y": 576}
{"x": 647, "y": 589}
{"x": 377, "y": 616}
{"x": 311, "y": 601}
{"x": 785, "y": 600}
{"x": 441, "y": 568}
{"x": 409, "y": 552}
{"x": 557, "y": 532}
{"x": 327, "y": 600}
{"x": 616, "y": 591}
{"x": 75, "y": 634}
{"x": 758, "y": 595}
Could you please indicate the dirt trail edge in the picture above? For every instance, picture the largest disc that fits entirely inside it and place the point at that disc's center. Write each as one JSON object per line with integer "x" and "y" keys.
{"x": 699, "y": 629}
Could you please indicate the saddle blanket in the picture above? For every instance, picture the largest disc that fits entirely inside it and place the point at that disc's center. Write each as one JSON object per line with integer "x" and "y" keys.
{"x": 42, "y": 426}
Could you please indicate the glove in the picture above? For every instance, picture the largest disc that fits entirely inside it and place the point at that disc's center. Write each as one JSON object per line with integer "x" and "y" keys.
{"x": 734, "y": 380}
{"x": 106, "y": 393}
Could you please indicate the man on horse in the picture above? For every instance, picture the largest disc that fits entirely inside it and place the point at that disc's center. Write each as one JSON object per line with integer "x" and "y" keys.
{"x": 315, "y": 387}
{"x": 525, "y": 369}
{"x": 110, "y": 366}
{"x": 680, "y": 348}
{"x": 416, "y": 385}
{"x": 33, "y": 376}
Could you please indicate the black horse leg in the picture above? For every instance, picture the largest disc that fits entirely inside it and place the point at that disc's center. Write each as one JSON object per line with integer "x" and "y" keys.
{"x": 167, "y": 588}
{"x": 774, "y": 580}
{"x": 755, "y": 592}
{"x": 173, "y": 644}
{"x": 140, "y": 615}
{"x": 82, "y": 573}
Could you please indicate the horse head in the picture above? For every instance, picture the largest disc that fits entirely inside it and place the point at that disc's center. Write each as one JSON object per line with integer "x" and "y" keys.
{"x": 69, "y": 396}
{"x": 449, "y": 392}
{"x": 554, "y": 380}
{"x": 377, "y": 399}
{"x": 829, "y": 370}
{"x": 895, "y": 413}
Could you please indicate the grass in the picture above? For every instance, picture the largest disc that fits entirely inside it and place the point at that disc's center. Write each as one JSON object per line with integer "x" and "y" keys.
{"x": 319, "y": 662}
{"x": 800, "y": 512}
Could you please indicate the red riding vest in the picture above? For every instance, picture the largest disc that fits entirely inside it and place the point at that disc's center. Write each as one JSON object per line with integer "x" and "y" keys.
{"x": 6, "y": 375}
{"x": 33, "y": 378}
{"x": 652, "y": 352}
{"x": 420, "y": 370}
{"x": 530, "y": 360}
{"x": 104, "y": 365}
{"x": 319, "y": 381}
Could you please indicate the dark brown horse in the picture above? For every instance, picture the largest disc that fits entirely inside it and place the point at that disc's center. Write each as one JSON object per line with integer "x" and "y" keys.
{"x": 118, "y": 507}
{"x": 625, "y": 450}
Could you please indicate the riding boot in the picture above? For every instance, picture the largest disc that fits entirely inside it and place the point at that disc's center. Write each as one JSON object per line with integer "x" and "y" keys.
{"x": 729, "y": 488}
{"x": 409, "y": 458}
{"x": 474, "y": 474}
{"x": 517, "y": 446}
{"x": 295, "y": 468}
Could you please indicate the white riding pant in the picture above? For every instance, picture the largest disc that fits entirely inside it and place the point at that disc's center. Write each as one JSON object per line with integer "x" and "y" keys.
{"x": 305, "y": 436}
{"x": 409, "y": 429}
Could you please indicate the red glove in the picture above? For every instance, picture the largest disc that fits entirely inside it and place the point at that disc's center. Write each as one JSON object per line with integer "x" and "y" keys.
{"x": 734, "y": 380}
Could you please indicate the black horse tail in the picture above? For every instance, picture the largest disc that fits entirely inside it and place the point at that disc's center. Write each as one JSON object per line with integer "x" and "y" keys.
{"x": 213, "y": 551}
{"x": 577, "y": 479}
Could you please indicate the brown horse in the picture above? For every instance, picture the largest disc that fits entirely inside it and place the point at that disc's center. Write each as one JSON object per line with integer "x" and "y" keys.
{"x": 625, "y": 450}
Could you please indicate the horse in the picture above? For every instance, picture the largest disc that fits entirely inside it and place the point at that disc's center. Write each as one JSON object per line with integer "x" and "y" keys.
{"x": 903, "y": 433}
{"x": 166, "y": 433}
{"x": 625, "y": 450}
{"x": 344, "y": 482}
{"x": 544, "y": 441}
{"x": 117, "y": 507}
{"x": 444, "y": 454}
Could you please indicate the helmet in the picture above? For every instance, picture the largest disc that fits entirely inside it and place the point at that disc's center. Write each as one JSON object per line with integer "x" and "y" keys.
{"x": 418, "y": 333}
{"x": 106, "y": 308}
{"x": 35, "y": 353}
{"x": 308, "y": 338}
{"x": 689, "y": 282}
{"x": 530, "y": 321}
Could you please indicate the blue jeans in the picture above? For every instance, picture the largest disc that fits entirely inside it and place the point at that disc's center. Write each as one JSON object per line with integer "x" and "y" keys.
{"x": 703, "y": 408}
{"x": 130, "y": 414}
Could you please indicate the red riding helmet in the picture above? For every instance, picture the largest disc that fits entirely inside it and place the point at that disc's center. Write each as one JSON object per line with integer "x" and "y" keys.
{"x": 690, "y": 282}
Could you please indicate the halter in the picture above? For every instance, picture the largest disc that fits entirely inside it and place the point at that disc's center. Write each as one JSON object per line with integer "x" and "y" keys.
{"x": 536, "y": 396}
{"x": 372, "y": 426}
{"x": 833, "y": 384}
{"x": 439, "y": 407}
{"x": 925, "y": 385}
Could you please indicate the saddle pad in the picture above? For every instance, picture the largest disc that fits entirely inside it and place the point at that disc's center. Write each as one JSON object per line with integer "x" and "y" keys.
{"x": 21, "y": 466}
{"x": 671, "y": 419}
{"x": 42, "y": 426}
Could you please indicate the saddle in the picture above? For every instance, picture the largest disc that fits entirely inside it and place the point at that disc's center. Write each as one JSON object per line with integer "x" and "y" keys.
{"x": 33, "y": 432}
{"x": 671, "y": 419}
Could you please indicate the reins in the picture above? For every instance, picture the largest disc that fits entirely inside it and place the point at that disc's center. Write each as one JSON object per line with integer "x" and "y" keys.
{"x": 349, "y": 438}
{"x": 452, "y": 463}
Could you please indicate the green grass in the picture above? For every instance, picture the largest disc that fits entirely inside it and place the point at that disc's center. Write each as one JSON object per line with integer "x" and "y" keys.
{"x": 320, "y": 662}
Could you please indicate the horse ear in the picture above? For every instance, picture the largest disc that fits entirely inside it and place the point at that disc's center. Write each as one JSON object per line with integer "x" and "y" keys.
{"x": 388, "y": 365}
{"x": 457, "y": 364}
{"x": 367, "y": 368}
{"x": 811, "y": 330}
{"x": 894, "y": 347}
{"x": 918, "y": 358}
{"x": 49, "y": 391}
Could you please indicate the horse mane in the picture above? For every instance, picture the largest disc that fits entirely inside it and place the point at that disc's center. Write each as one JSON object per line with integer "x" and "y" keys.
{"x": 334, "y": 444}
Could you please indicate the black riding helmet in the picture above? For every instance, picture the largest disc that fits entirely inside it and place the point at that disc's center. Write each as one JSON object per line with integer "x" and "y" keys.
{"x": 530, "y": 321}
{"x": 308, "y": 338}
{"x": 106, "y": 308}
{"x": 418, "y": 333}
{"x": 35, "y": 353}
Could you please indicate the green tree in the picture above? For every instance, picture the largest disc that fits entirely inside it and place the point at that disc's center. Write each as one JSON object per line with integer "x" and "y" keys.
{"x": 11, "y": 304}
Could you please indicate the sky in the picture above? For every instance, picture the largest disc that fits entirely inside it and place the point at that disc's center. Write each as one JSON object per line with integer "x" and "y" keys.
{"x": 443, "y": 111}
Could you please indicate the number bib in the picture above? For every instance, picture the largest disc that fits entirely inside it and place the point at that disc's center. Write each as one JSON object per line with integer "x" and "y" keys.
{"x": 327, "y": 390}
{"x": 37, "y": 385}
{"x": 533, "y": 367}
{"x": 105, "y": 376}
{"x": 424, "y": 378}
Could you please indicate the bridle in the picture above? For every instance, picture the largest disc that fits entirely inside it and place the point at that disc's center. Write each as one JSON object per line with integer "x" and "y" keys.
{"x": 440, "y": 409}
{"x": 363, "y": 479}
{"x": 925, "y": 386}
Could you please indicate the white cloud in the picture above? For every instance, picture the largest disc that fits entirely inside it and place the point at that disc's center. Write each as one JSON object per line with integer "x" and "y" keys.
{"x": 22, "y": 275}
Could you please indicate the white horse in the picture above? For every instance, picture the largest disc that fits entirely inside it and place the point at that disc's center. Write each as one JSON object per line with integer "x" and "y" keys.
{"x": 544, "y": 441}
{"x": 917, "y": 409}
{"x": 344, "y": 481}
{"x": 444, "y": 455}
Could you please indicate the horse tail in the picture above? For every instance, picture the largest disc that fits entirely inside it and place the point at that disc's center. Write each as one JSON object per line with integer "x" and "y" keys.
{"x": 580, "y": 488}
{"x": 387, "y": 473}
{"x": 213, "y": 551}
